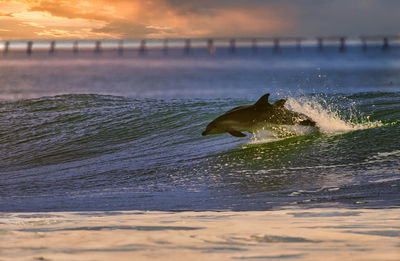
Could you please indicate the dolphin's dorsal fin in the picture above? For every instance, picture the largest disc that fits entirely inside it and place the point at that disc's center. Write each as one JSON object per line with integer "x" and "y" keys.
{"x": 280, "y": 103}
{"x": 262, "y": 101}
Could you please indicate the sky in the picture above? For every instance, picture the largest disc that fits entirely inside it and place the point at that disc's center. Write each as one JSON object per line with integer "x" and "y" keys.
{"x": 123, "y": 19}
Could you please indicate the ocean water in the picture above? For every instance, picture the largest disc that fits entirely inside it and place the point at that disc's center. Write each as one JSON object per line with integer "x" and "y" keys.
{"x": 105, "y": 132}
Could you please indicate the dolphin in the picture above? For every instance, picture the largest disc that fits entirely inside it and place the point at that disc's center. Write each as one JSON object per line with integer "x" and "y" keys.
{"x": 253, "y": 117}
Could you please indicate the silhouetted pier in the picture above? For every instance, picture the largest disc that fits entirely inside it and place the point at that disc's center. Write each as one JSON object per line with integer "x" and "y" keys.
{"x": 187, "y": 48}
{"x": 98, "y": 49}
{"x": 142, "y": 48}
{"x": 276, "y": 45}
{"x": 6, "y": 47}
{"x": 121, "y": 47}
{"x": 254, "y": 46}
{"x": 29, "y": 48}
{"x": 211, "y": 45}
{"x": 75, "y": 47}
{"x": 165, "y": 47}
{"x": 52, "y": 47}
{"x": 232, "y": 46}
{"x": 384, "y": 39}
{"x": 298, "y": 44}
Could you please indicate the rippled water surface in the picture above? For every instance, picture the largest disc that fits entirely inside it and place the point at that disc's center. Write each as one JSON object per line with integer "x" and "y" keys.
{"x": 109, "y": 133}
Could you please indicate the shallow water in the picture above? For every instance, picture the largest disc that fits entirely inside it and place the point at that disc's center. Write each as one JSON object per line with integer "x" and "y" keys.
{"x": 111, "y": 133}
{"x": 290, "y": 234}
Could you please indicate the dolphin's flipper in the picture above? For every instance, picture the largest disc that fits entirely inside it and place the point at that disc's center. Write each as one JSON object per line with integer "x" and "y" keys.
{"x": 263, "y": 101}
{"x": 280, "y": 103}
{"x": 236, "y": 133}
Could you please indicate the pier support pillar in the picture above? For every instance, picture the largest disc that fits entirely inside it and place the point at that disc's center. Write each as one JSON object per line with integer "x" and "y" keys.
{"x": 210, "y": 47}
{"x": 276, "y": 45}
{"x": 364, "y": 44}
{"x": 298, "y": 44}
{"x": 52, "y": 49}
{"x": 385, "y": 45}
{"x": 165, "y": 47}
{"x": 254, "y": 46}
{"x": 29, "y": 48}
{"x": 121, "y": 48}
{"x": 320, "y": 44}
{"x": 6, "y": 48}
{"x": 97, "y": 48}
{"x": 75, "y": 48}
{"x": 142, "y": 48}
{"x": 232, "y": 46}
{"x": 187, "y": 47}
{"x": 342, "y": 47}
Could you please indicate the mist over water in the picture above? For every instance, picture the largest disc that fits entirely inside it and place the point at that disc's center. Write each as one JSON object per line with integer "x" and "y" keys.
{"x": 113, "y": 133}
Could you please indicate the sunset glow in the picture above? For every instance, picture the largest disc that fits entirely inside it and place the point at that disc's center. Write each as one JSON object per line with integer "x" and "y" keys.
{"x": 110, "y": 19}
{"x": 46, "y": 19}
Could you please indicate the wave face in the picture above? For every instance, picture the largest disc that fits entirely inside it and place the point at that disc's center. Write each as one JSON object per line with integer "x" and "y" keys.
{"x": 82, "y": 151}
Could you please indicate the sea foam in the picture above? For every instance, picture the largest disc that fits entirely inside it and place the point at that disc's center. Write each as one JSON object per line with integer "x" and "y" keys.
{"x": 332, "y": 117}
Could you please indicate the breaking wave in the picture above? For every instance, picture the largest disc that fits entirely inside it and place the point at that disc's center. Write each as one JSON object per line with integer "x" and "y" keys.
{"x": 333, "y": 116}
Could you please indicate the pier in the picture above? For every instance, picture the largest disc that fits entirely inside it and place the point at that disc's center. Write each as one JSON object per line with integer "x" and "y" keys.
{"x": 6, "y": 47}
{"x": 121, "y": 47}
{"x": 165, "y": 47}
{"x": 342, "y": 46}
{"x": 29, "y": 46}
{"x": 52, "y": 47}
{"x": 320, "y": 41}
{"x": 298, "y": 44}
{"x": 232, "y": 46}
{"x": 254, "y": 46}
{"x": 276, "y": 45}
{"x": 212, "y": 46}
{"x": 97, "y": 49}
{"x": 186, "y": 50}
{"x": 142, "y": 48}
{"x": 75, "y": 48}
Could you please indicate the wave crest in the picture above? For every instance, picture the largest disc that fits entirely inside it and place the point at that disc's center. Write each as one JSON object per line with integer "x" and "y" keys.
{"x": 333, "y": 117}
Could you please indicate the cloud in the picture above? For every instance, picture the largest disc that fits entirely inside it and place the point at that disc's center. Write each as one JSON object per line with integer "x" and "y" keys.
{"x": 73, "y": 9}
{"x": 213, "y": 23}
{"x": 157, "y": 18}
{"x": 33, "y": 19}
{"x": 127, "y": 29}
{"x": 14, "y": 30}
{"x": 254, "y": 21}
{"x": 350, "y": 18}
{"x": 24, "y": 23}
{"x": 6, "y": 14}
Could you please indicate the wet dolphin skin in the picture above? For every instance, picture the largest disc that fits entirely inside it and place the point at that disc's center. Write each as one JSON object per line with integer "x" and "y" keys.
{"x": 252, "y": 117}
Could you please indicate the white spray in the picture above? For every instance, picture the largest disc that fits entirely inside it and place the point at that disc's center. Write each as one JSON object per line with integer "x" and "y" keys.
{"x": 325, "y": 115}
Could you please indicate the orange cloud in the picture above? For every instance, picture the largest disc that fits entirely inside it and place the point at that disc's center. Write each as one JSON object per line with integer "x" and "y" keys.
{"x": 39, "y": 19}
{"x": 237, "y": 22}
{"x": 94, "y": 10}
